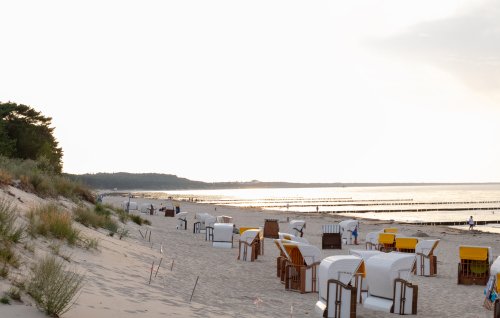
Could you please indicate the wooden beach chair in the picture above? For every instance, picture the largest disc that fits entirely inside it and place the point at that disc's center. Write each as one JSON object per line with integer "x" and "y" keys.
{"x": 260, "y": 241}
{"x": 492, "y": 290}
{"x": 371, "y": 241}
{"x": 224, "y": 219}
{"x": 301, "y": 272}
{"x": 271, "y": 228}
{"x": 406, "y": 244}
{"x": 331, "y": 237}
{"x": 297, "y": 227}
{"x": 386, "y": 242}
{"x": 426, "y": 260}
{"x": 248, "y": 245}
{"x": 389, "y": 290}
{"x": 182, "y": 220}
{"x": 281, "y": 260}
{"x": 474, "y": 266}
{"x": 338, "y": 285}
{"x": 199, "y": 223}
{"x": 347, "y": 227}
{"x": 223, "y": 235}
{"x": 291, "y": 237}
{"x": 362, "y": 285}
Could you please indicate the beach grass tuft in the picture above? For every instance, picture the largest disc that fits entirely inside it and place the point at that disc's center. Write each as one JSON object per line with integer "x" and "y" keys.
{"x": 53, "y": 287}
{"x": 50, "y": 220}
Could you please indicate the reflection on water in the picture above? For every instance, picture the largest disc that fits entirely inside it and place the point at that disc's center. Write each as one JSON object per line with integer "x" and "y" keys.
{"x": 450, "y": 203}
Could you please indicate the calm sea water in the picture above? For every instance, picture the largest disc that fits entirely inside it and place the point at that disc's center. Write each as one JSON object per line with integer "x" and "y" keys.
{"x": 399, "y": 203}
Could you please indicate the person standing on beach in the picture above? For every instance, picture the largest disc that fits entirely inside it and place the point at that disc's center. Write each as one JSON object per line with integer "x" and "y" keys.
{"x": 471, "y": 223}
{"x": 317, "y": 208}
{"x": 355, "y": 234}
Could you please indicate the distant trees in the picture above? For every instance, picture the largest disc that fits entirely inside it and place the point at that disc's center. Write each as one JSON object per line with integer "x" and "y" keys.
{"x": 26, "y": 134}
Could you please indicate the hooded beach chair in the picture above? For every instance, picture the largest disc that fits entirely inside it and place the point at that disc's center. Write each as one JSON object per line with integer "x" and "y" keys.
{"x": 371, "y": 241}
{"x": 182, "y": 220}
{"x": 406, "y": 244}
{"x": 389, "y": 290}
{"x": 199, "y": 224}
{"x": 426, "y": 260}
{"x": 392, "y": 230}
{"x": 291, "y": 237}
{"x": 223, "y": 235}
{"x": 386, "y": 242}
{"x": 271, "y": 228}
{"x": 338, "y": 285}
{"x": 301, "y": 271}
{"x": 331, "y": 237}
{"x": 297, "y": 227}
{"x": 492, "y": 290}
{"x": 248, "y": 245}
{"x": 281, "y": 259}
{"x": 347, "y": 227}
{"x": 224, "y": 219}
{"x": 362, "y": 285}
{"x": 260, "y": 241}
{"x": 474, "y": 266}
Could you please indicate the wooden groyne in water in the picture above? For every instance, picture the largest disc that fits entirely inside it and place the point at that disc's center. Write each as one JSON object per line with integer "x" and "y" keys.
{"x": 448, "y": 223}
{"x": 474, "y": 208}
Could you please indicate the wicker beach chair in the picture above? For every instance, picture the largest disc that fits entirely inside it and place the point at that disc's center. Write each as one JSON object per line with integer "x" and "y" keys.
{"x": 331, "y": 237}
{"x": 223, "y": 235}
{"x": 347, "y": 227}
{"x": 492, "y": 301}
{"x": 302, "y": 267}
{"x": 182, "y": 220}
{"x": 362, "y": 286}
{"x": 389, "y": 290}
{"x": 338, "y": 285}
{"x": 426, "y": 260}
{"x": 224, "y": 219}
{"x": 271, "y": 228}
{"x": 248, "y": 245}
{"x": 297, "y": 227}
{"x": 474, "y": 266}
{"x": 386, "y": 242}
{"x": 199, "y": 224}
{"x": 406, "y": 244}
{"x": 281, "y": 260}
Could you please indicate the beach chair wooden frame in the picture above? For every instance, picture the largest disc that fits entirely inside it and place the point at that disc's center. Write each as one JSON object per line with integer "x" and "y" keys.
{"x": 196, "y": 227}
{"x": 246, "y": 246}
{"x": 296, "y": 276}
{"x": 426, "y": 264}
{"x": 271, "y": 228}
{"x": 341, "y": 290}
{"x": 474, "y": 266}
{"x": 182, "y": 222}
{"x": 209, "y": 233}
{"x": 496, "y": 309}
{"x": 404, "y": 291}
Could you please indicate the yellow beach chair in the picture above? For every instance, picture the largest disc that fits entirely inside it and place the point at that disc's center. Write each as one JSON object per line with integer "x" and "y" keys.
{"x": 387, "y": 242}
{"x": 406, "y": 244}
{"x": 393, "y": 230}
{"x": 474, "y": 266}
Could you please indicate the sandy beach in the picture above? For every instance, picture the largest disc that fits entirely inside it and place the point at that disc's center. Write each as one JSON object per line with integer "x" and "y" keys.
{"x": 117, "y": 275}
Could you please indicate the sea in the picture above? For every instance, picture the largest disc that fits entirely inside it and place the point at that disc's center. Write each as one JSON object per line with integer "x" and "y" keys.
{"x": 449, "y": 205}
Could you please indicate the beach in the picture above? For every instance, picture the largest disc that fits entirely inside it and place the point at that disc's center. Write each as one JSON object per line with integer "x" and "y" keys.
{"x": 117, "y": 275}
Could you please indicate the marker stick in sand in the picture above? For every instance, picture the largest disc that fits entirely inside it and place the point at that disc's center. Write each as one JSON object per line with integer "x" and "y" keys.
{"x": 171, "y": 267}
{"x": 194, "y": 288}
{"x": 158, "y": 267}
{"x": 150, "y": 275}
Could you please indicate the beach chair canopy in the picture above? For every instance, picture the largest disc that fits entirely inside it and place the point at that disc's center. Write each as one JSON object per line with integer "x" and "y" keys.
{"x": 330, "y": 228}
{"x": 297, "y": 225}
{"x": 372, "y": 237}
{"x": 426, "y": 247}
{"x": 495, "y": 272}
{"x": 182, "y": 215}
{"x": 249, "y": 235}
{"x": 281, "y": 248}
{"x": 475, "y": 253}
{"x": 224, "y": 219}
{"x": 364, "y": 254}
{"x": 386, "y": 238}
{"x": 391, "y": 230}
{"x": 406, "y": 243}
{"x": 349, "y": 225}
{"x": 384, "y": 268}
{"x": 291, "y": 237}
{"x": 339, "y": 267}
{"x": 309, "y": 253}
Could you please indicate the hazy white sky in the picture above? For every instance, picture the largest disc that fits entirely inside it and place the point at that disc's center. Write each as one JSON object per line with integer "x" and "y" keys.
{"x": 310, "y": 91}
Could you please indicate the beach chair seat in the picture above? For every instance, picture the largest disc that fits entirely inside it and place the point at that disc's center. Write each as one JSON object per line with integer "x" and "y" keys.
{"x": 331, "y": 237}
{"x": 248, "y": 245}
{"x": 371, "y": 241}
{"x": 271, "y": 228}
{"x": 474, "y": 266}
{"x": 426, "y": 260}
{"x": 338, "y": 282}
{"x": 297, "y": 227}
{"x": 406, "y": 244}
{"x": 223, "y": 235}
{"x": 362, "y": 285}
{"x": 182, "y": 220}
{"x": 389, "y": 290}
{"x": 302, "y": 267}
{"x": 347, "y": 227}
{"x": 386, "y": 242}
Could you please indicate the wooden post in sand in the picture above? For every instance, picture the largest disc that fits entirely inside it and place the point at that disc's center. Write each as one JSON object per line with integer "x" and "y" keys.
{"x": 171, "y": 267}
{"x": 158, "y": 267}
{"x": 141, "y": 234}
{"x": 150, "y": 275}
{"x": 194, "y": 288}
{"x": 149, "y": 240}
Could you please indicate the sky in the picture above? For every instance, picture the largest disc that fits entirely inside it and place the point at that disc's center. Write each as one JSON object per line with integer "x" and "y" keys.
{"x": 299, "y": 91}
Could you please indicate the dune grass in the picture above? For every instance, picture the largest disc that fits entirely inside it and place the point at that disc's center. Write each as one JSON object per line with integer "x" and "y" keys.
{"x": 53, "y": 287}
{"x": 10, "y": 233}
{"x": 99, "y": 217}
{"x": 50, "y": 220}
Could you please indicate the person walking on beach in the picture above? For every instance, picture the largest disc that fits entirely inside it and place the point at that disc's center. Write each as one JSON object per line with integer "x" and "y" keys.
{"x": 471, "y": 223}
{"x": 355, "y": 234}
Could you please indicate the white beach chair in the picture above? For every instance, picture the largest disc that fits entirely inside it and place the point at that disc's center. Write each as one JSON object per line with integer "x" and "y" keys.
{"x": 291, "y": 237}
{"x": 387, "y": 276}
{"x": 347, "y": 227}
{"x": 302, "y": 266}
{"x": 282, "y": 259}
{"x": 182, "y": 220}
{"x": 492, "y": 289}
{"x": 362, "y": 285}
{"x": 337, "y": 287}
{"x": 371, "y": 240}
{"x": 474, "y": 266}
{"x": 199, "y": 224}
{"x": 248, "y": 245}
{"x": 224, "y": 219}
{"x": 426, "y": 260}
{"x": 296, "y": 227}
{"x": 223, "y": 235}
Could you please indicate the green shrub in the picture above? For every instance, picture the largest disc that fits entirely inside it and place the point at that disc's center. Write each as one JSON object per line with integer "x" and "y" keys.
{"x": 50, "y": 221}
{"x": 138, "y": 220}
{"x": 5, "y": 300}
{"x": 53, "y": 287}
{"x": 9, "y": 231}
